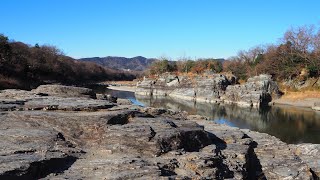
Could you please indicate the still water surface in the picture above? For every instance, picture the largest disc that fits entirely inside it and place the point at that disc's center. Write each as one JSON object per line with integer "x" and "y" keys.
{"x": 290, "y": 124}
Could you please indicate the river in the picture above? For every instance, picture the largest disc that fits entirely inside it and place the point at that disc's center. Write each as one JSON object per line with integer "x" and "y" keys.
{"x": 290, "y": 124}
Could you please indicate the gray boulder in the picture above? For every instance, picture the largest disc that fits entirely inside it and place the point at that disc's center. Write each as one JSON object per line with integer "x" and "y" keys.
{"x": 257, "y": 91}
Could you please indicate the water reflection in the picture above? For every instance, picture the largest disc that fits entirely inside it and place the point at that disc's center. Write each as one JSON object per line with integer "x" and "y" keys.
{"x": 290, "y": 124}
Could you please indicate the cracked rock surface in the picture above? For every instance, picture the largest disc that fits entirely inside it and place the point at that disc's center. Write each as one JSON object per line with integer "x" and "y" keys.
{"x": 53, "y": 136}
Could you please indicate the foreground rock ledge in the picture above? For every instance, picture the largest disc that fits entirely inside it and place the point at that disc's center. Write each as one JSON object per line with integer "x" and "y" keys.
{"x": 47, "y": 136}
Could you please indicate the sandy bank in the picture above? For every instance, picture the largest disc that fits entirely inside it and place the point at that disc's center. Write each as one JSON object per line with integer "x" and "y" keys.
{"x": 306, "y": 103}
{"x": 123, "y": 88}
{"x": 306, "y": 99}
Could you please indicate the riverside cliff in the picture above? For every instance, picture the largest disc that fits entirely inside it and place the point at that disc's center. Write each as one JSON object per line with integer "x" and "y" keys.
{"x": 61, "y": 132}
{"x": 214, "y": 88}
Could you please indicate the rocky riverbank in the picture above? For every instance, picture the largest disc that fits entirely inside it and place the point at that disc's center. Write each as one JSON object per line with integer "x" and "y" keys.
{"x": 59, "y": 132}
{"x": 213, "y": 88}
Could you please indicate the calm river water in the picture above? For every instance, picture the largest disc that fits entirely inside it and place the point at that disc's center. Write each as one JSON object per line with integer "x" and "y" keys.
{"x": 290, "y": 124}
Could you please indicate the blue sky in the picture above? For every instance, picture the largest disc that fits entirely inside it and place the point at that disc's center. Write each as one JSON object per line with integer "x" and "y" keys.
{"x": 154, "y": 28}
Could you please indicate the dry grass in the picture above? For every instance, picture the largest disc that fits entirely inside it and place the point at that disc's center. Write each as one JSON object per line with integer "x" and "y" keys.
{"x": 300, "y": 95}
{"x": 291, "y": 93}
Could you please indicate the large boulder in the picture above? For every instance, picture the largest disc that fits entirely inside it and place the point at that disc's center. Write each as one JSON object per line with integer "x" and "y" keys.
{"x": 257, "y": 91}
{"x": 144, "y": 87}
{"x": 201, "y": 88}
{"x": 265, "y": 83}
{"x": 211, "y": 87}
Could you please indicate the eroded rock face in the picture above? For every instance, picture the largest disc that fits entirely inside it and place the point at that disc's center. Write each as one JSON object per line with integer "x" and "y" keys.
{"x": 123, "y": 141}
{"x": 257, "y": 91}
{"x": 212, "y": 87}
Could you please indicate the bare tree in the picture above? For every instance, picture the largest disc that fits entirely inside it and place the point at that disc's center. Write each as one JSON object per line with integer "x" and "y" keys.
{"x": 301, "y": 39}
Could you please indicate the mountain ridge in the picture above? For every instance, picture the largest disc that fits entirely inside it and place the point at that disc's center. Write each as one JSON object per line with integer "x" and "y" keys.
{"x": 137, "y": 63}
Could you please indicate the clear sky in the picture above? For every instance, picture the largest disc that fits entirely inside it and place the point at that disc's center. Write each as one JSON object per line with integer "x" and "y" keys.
{"x": 153, "y": 28}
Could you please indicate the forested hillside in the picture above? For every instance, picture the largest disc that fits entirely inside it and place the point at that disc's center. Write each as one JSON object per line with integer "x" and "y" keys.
{"x": 25, "y": 66}
{"x": 295, "y": 58}
{"x": 138, "y": 63}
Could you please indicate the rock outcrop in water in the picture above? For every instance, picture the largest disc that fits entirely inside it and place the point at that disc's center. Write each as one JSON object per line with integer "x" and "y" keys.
{"x": 316, "y": 106}
{"x": 55, "y": 137}
{"x": 257, "y": 91}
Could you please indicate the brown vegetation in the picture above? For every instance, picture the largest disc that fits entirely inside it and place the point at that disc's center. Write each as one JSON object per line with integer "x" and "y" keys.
{"x": 24, "y": 66}
{"x": 297, "y": 57}
{"x": 304, "y": 94}
{"x": 186, "y": 66}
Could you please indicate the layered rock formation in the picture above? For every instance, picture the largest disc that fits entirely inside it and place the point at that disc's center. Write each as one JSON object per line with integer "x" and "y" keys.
{"x": 257, "y": 91}
{"x": 85, "y": 138}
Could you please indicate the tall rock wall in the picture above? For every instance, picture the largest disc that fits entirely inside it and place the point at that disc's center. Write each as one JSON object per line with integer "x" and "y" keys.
{"x": 257, "y": 91}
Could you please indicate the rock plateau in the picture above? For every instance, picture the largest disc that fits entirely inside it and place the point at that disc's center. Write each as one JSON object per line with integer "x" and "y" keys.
{"x": 59, "y": 132}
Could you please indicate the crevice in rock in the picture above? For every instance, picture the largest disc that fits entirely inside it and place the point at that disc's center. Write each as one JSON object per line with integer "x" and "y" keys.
{"x": 254, "y": 167}
{"x": 220, "y": 144}
{"x": 24, "y": 151}
{"x": 40, "y": 169}
{"x": 314, "y": 175}
{"x": 223, "y": 170}
{"x": 195, "y": 140}
{"x": 60, "y": 137}
{"x": 188, "y": 140}
{"x": 121, "y": 118}
{"x": 152, "y": 134}
{"x": 143, "y": 115}
{"x": 172, "y": 124}
{"x": 168, "y": 169}
{"x": 167, "y": 172}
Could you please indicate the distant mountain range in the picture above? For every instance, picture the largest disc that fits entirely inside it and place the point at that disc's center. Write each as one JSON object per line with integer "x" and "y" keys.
{"x": 138, "y": 63}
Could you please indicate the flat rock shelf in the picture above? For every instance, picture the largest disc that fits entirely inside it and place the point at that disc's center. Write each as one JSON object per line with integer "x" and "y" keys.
{"x": 59, "y": 132}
